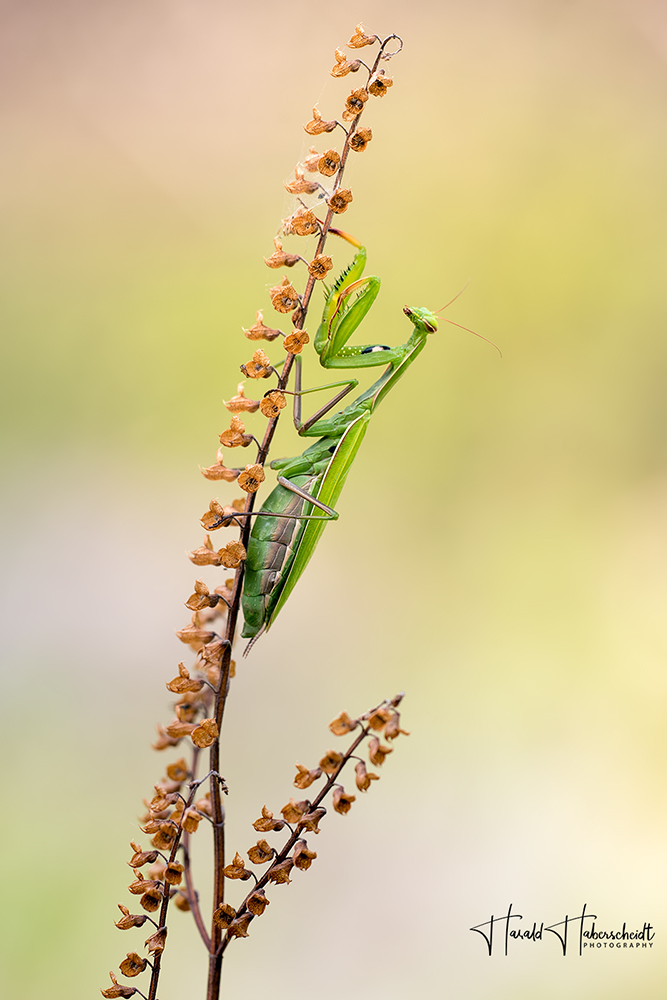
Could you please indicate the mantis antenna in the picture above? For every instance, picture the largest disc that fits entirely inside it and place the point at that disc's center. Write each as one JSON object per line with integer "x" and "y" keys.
{"x": 467, "y": 329}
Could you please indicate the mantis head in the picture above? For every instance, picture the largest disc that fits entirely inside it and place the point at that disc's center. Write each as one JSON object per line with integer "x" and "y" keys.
{"x": 424, "y": 320}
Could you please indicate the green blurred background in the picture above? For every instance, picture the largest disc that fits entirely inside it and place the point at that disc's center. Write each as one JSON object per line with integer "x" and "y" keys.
{"x": 500, "y": 550}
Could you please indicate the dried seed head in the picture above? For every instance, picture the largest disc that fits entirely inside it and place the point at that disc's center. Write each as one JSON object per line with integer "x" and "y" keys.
{"x": 250, "y": 481}
{"x": 233, "y": 554}
{"x": 319, "y": 266}
{"x": 272, "y": 403}
{"x": 393, "y": 728}
{"x": 164, "y": 740}
{"x": 354, "y": 104}
{"x": 235, "y": 436}
{"x": 302, "y": 223}
{"x": 360, "y": 38}
{"x": 237, "y": 869}
{"x": 360, "y": 139}
{"x": 379, "y": 717}
{"x": 284, "y": 297}
{"x": 364, "y": 777}
{"x": 339, "y": 201}
{"x": 299, "y": 186}
{"x": 205, "y": 555}
{"x": 317, "y": 125}
{"x": 183, "y": 683}
{"x": 377, "y": 752}
{"x": 331, "y": 761}
{"x": 279, "y": 258}
{"x": 342, "y": 801}
{"x": 279, "y": 874}
{"x": 156, "y": 942}
{"x": 239, "y": 927}
{"x": 380, "y": 84}
{"x": 259, "y": 367}
{"x": 257, "y": 902}
{"x": 260, "y": 853}
{"x": 173, "y": 873}
{"x": 259, "y": 331}
{"x": 266, "y": 822}
{"x": 193, "y": 635}
{"x": 181, "y": 902}
{"x": 151, "y": 900}
{"x": 304, "y": 777}
{"x": 293, "y": 811}
{"x": 205, "y": 734}
{"x": 219, "y": 471}
{"x": 140, "y": 858}
{"x": 343, "y": 724}
{"x": 294, "y": 344}
{"x": 309, "y": 164}
{"x": 329, "y": 163}
{"x": 128, "y": 919}
{"x": 343, "y": 67}
{"x": 191, "y": 820}
{"x": 223, "y": 916}
{"x": 302, "y": 857}
{"x": 117, "y": 990}
{"x": 178, "y": 771}
{"x": 133, "y": 965}
{"x": 142, "y": 885}
{"x": 165, "y": 836}
{"x": 311, "y": 820}
{"x": 240, "y": 402}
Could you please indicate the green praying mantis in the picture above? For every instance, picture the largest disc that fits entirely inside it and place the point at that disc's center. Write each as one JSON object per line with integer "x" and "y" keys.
{"x": 287, "y": 530}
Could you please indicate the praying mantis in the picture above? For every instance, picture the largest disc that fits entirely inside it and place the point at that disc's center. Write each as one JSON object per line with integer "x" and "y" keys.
{"x": 286, "y": 531}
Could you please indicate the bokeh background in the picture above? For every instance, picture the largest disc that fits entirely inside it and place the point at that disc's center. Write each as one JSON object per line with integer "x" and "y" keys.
{"x": 500, "y": 554}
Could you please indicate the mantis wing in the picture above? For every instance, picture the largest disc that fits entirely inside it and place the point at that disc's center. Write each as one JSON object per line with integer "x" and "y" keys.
{"x": 328, "y": 493}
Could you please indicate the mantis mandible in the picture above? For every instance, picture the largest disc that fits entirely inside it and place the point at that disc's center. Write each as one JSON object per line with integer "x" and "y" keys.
{"x": 280, "y": 548}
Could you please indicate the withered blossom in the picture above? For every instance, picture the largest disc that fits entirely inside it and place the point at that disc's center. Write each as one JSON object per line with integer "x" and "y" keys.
{"x": 233, "y": 554}
{"x": 311, "y": 161}
{"x": 363, "y": 777}
{"x": 129, "y": 920}
{"x": 272, "y": 403}
{"x": 302, "y": 856}
{"x": 193, "y": 635}
{"x": 184, "y": 683}
{"x": 216, "y": 517}
{"x": 293, "y": 811}
{"x": 133, "y": 965}
{"x": 317, "y": 125}
{"x": 342, "y": 66}
{"x": 279, "y": 874}
{"x": 173, "y": 873}
{"x": 239, "y": 927}
{"x": 219, "y": 471}
{"x": 379, "y": 717}
{"x": 377, "y": 752}
{"x": 360, "y": 38}
{"x": 319, "y": 266}
{"x": 186, "y": 708}
{"x": 259, "y": 367}
{"x": 343, "y": 724}
{"x": 360, "y": 139}
{"x": 205, "y": 555}
{"x": 311, "y": 820}
{"x": 235, "y": 436}
{"x": 250, "y": 481}
{"x": 329, "y": 163}
{"x": 140, "y": 858}
{"x": 266, "y": 822}
{"x": 191, "y": 820}
{"x": 165, "y": 837}
{"x": 380, "y": 84}
{"x": 304, "y": 222}
{"x": 117, "y": 990}
{"x": 205, "y": 734}
{"x": 156, "y": 942}
{"x": 284, "y": 297}
{"x": 178, "y": 770}
{"x": 202, "y": 597}
{"x": 261, "y": 852}
{"x": 294, "y": 344}
{"x": 393, "y": 728}
{"x": 304, "y": 777}
{"x": 223, "y": 916}
{"x": 164, "y": 740}
{"x": 300, "y": 186}
{"x": 339, "y": 201}
{"x": 240, "y": 402}
{"x": 237, "y": 869}
{"x": 178, "y": 730}
{"x": 142, "y": 885}
{"x": 151, "y": 900}
{"x": 342, "y": 800}
{"x": 257, "y": 902}
{"x": 279, "y": 258}
{"x": 331, "y": 761}
{"x": 181, "y": 902}
{"x": 259, "y": 331}
{"x": 354, "y": 104}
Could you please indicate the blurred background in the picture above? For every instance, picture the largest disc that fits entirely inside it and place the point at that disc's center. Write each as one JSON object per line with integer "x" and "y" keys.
{"x": 500, "y": 551}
